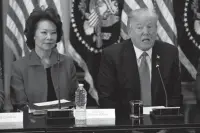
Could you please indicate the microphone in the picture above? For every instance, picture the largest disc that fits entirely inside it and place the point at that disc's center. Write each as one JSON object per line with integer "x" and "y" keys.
{"x": 60, "y": 116}
{"x": 58, "y": 61}
{"x": 158, "y": 68}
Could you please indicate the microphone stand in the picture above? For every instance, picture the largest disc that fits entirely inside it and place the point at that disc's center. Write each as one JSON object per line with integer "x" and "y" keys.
{"x": 157, "y": 113}
{"x": 166, "y": 98}
{"x": 59, "y": 116}
{"x": 59, "y": 104}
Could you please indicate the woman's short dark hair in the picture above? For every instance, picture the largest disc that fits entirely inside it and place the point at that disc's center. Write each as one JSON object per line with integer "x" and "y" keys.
{"x": 41, "y": 14}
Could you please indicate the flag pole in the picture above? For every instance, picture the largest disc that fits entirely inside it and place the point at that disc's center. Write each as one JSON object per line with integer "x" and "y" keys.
{"x": 7, "y": 60}
{"x": 66, "y": 6}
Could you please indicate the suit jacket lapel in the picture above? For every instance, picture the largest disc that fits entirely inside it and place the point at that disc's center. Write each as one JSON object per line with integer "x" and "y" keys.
{"x": 130, "y": 72}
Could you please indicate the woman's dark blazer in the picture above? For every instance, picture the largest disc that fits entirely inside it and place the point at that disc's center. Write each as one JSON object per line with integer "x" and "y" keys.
{"x": 29, "y": 79}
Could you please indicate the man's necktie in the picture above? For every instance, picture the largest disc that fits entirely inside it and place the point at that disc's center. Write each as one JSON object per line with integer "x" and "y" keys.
{"x": 145, "y": 82}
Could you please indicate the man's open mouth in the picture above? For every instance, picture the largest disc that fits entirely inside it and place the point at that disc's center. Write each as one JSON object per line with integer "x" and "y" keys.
{"x": 146, "y": 40}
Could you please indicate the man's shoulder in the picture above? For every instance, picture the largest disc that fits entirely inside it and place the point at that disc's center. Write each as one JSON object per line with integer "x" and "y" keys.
{"x": 164, "y": 46}
{"x": 116, "y": 48}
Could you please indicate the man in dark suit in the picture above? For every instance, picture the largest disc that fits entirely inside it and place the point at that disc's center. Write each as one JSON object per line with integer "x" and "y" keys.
{"x": 121, "y": 75}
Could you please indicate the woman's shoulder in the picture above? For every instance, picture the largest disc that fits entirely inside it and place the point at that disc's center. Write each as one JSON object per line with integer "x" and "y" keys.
{"x": 21, "y": 61}
{"x": 67, "y": 61}
{"x": 66, "y": 58}
{"x": 20, "y": 64}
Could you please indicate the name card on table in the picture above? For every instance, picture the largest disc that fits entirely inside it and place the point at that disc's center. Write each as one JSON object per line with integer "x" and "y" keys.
{"x": 100, "y": 117}
{"x": 100, "y": 113}
{"x": 11, "y": 120}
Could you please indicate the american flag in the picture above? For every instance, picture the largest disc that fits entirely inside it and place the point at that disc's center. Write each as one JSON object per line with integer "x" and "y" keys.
{"x": 17, "y": 13}
{"x": 166, "y": 25}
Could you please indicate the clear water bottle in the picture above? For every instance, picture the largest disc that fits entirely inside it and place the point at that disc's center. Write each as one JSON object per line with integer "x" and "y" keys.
{"x": 80, "y": 102}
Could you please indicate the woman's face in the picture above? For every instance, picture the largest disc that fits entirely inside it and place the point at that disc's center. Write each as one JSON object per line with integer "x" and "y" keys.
{"x": 45, "y": 35}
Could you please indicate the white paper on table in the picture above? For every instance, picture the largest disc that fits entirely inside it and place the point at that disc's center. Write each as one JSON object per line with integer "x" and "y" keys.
{"x": 51, "y": 102}
{"x": 147, "y": 110}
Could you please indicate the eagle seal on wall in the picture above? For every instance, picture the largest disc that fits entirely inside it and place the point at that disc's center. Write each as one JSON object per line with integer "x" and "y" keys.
{"x": 192, "y": 21}
{"x": 96, "y": 23}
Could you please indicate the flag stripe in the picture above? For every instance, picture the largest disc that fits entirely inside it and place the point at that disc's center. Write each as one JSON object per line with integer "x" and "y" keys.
{"x": 124, "y": 20}
{"x": 13, "y": 28}
{"x": 60, "y": 45}
{"x": 28, "y": 6}
{"x": 35, "y": 3}
{"x": 12, "y": 37}
{"x": 164, "y": 15}
{"x": 163, "y": 34}
{"x": 170, "y": 8}
{"x": 12, "y": 46}
{"x": 132, "y": 4}
{"x": 187, "y": 64}
{"x": 141, "y": 3}
{"x": 43, "y": 3}
{"x": 58, "y": 7}
{"x": 17, "y": 13}
{"x": 149, "y": 4}
{"x": 124, "y": 29}
{"x": 22, "y": 6}
{"x": 51, "y": 3}
{"x": 24, "y": 11}
{"x": 17, "y": 21}
{"x": 127, "y": 8}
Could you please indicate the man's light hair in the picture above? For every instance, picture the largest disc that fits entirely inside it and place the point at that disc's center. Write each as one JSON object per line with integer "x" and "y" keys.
{"x": 142, "y": 11}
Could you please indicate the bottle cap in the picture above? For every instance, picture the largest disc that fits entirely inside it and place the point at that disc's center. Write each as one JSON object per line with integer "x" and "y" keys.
{"x": 80, "y": 85}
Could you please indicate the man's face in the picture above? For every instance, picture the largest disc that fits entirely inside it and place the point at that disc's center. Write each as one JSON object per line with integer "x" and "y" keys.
{"x": 143, "y": 31}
